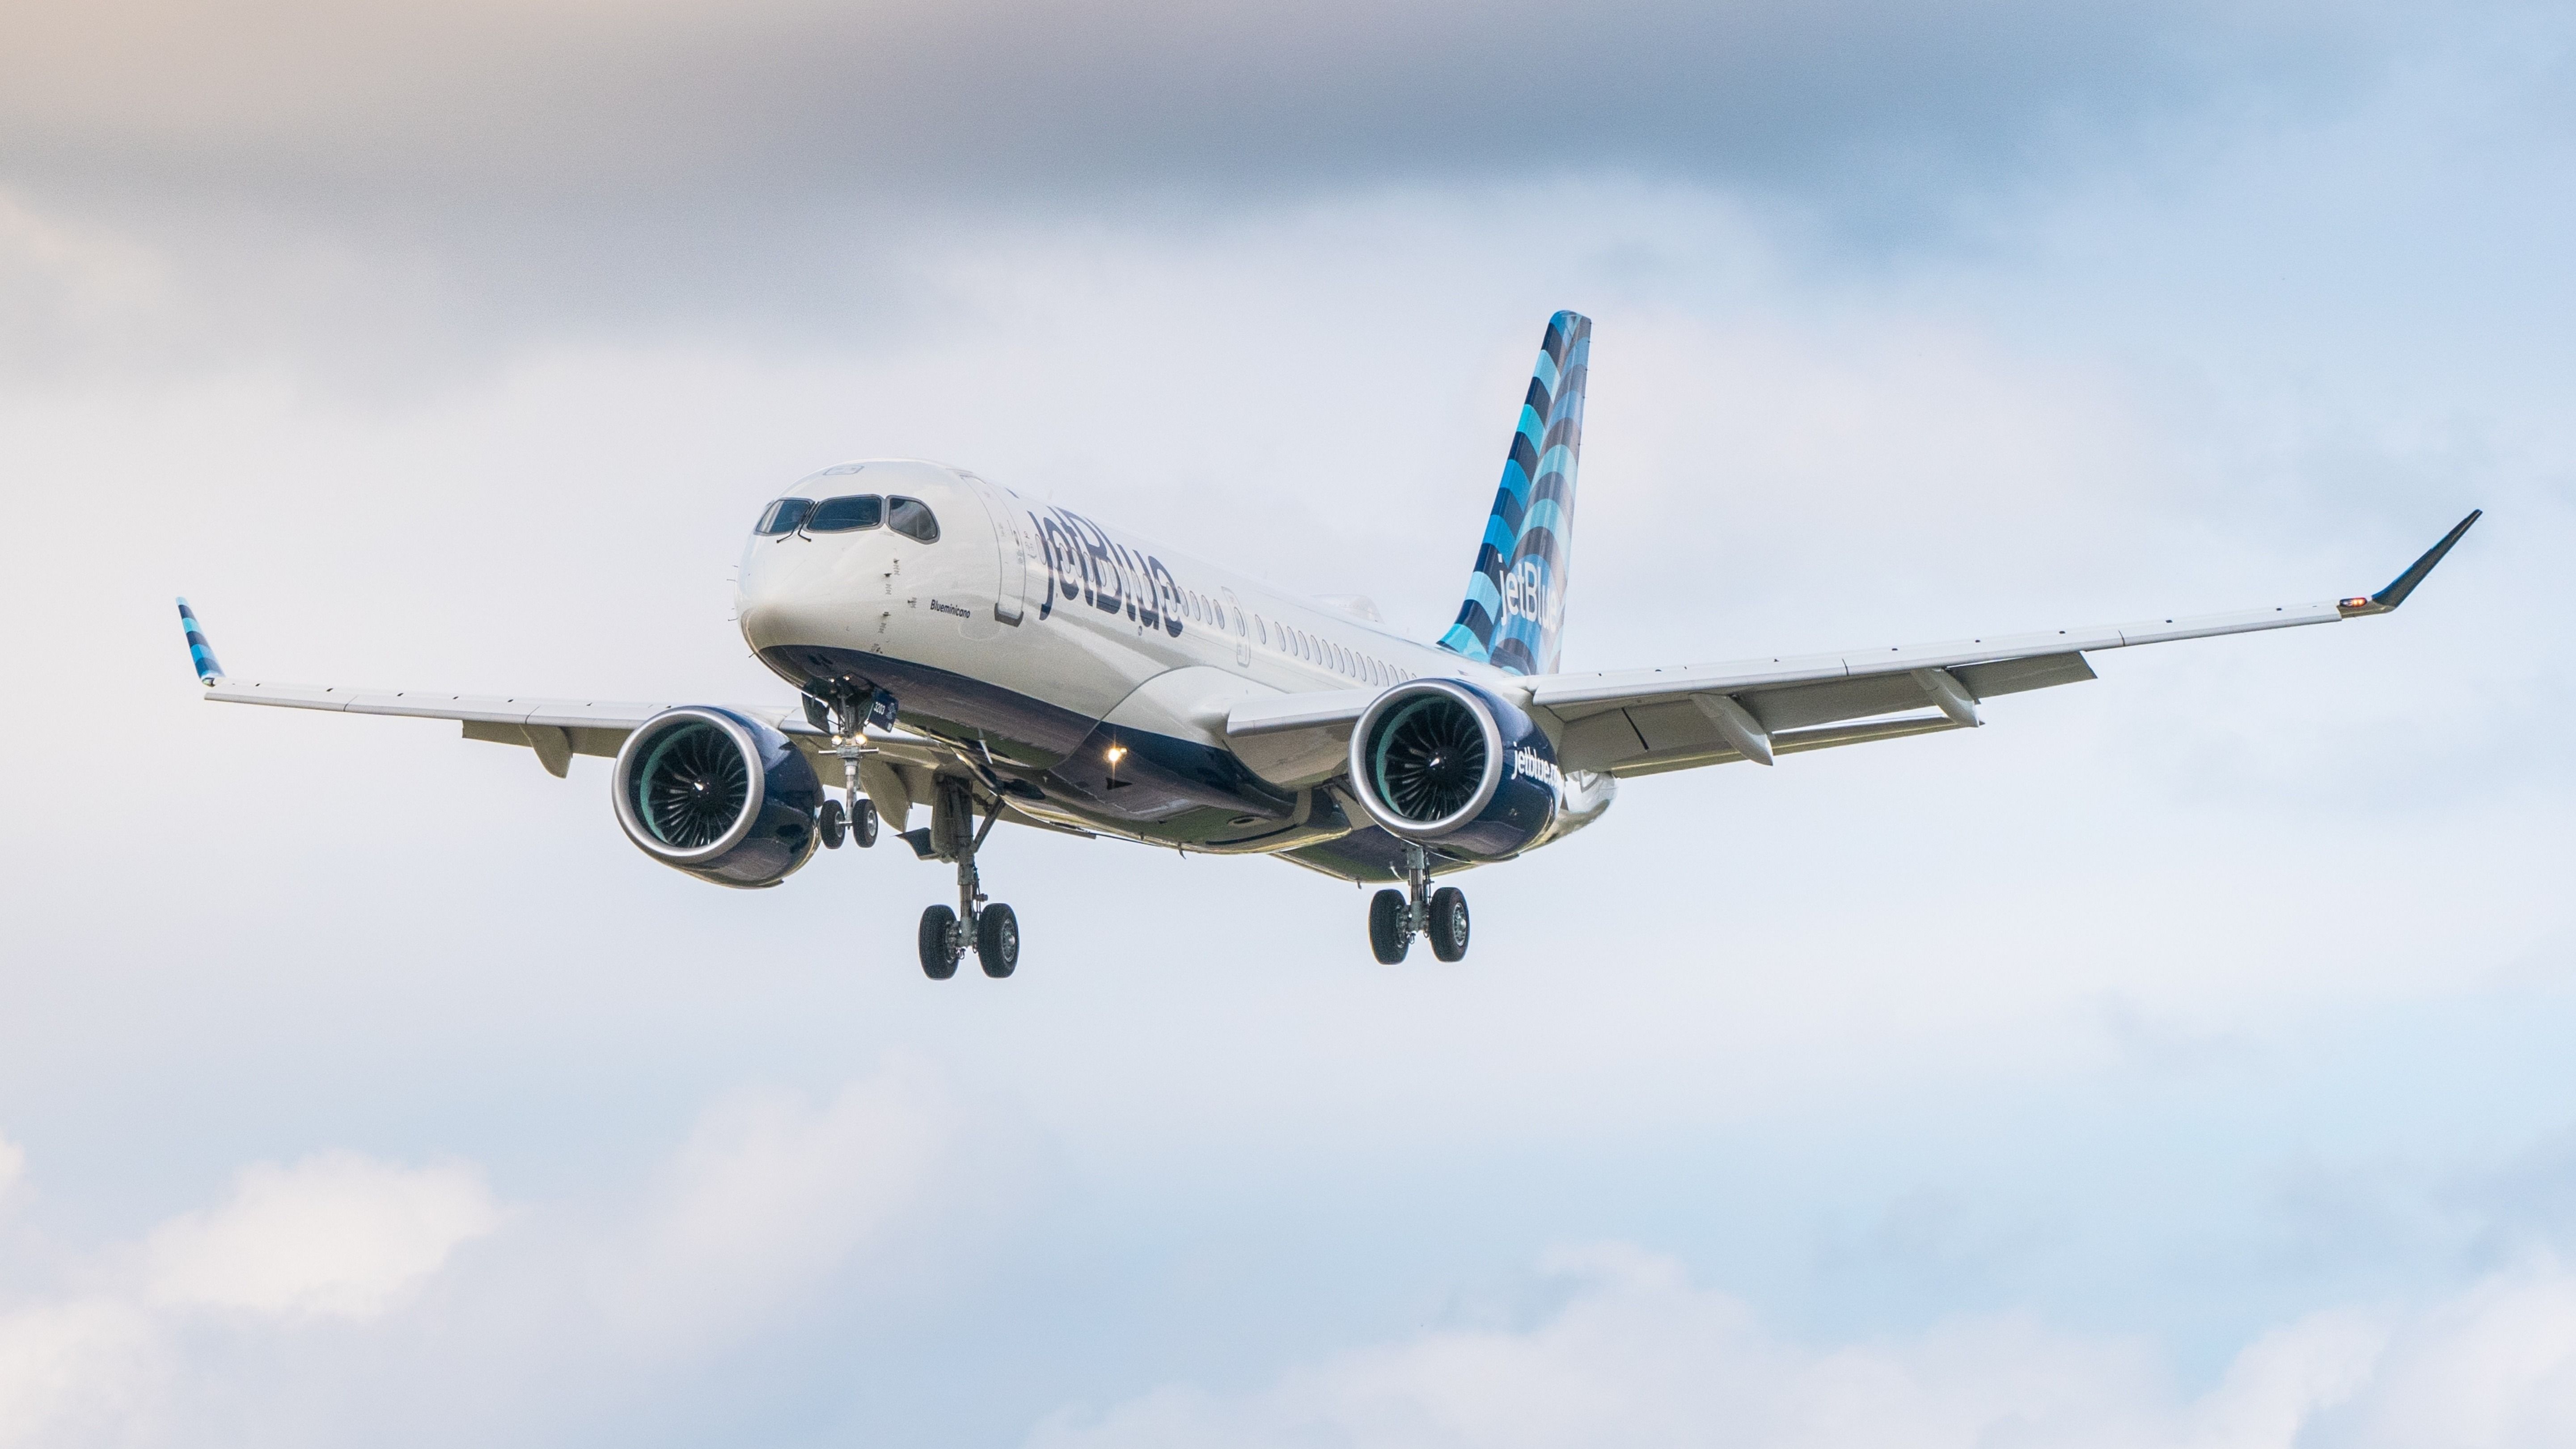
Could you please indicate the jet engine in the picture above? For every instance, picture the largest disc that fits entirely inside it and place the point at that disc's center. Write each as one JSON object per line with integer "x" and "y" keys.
{"x": 1445, "y": 763}
{"x": 724, "y": 797}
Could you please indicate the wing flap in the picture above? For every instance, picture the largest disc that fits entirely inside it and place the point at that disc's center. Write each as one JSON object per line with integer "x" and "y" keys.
{"x": 2013, "y": 676}
{"x": 1789, "y": 742}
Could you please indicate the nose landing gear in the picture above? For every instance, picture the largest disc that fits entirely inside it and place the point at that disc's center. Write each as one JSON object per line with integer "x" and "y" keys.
{"x": 857, "y": 821}
{"x": 1396, "y": 915}
{"x": 854, "y": 815}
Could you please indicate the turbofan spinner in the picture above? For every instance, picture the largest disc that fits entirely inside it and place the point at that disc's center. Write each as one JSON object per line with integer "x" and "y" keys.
{"x": 721, "y": 796}
{"x": 1450, "y": 765}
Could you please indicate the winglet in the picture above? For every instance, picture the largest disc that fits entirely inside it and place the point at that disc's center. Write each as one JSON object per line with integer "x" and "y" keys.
{"x": 200, "y": 652}
{"x": 2398, "y": 588}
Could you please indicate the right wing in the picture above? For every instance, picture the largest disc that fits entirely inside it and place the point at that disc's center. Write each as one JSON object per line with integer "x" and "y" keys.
{"x": 1645, "y": 721}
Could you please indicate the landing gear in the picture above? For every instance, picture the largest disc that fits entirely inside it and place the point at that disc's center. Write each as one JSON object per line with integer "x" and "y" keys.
{"x": 997, "y": 940}
{"x": 1448, "y": 924}
{"x": 1390, "y": 926}
{"x": 941, "y": 943}
{"x": 853, "y": 815}
{"x": 993, "y": 929}
{"x": 1396, "y": 915}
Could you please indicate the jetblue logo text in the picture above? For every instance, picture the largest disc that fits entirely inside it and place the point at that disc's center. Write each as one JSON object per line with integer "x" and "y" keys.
{"x": 1084, "y": 562}
{"x": 1525, "y": 593}
{"x": 1529, "y": 764}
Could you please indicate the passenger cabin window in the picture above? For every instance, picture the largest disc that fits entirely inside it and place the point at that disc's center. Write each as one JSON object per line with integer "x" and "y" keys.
{"x": 845, "y": 515}
{"x": 912, "y": 518}
{"x": 784, "y": 515}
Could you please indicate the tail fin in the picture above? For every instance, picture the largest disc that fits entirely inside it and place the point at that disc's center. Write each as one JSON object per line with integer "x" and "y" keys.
{"x": 1516, "y": 598}
{"x": 200, "y": 653}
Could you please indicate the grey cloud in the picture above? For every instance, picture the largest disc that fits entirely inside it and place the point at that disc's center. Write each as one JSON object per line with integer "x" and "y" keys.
{"x": 562, "y": 100}
{"x": 399, "y": 186}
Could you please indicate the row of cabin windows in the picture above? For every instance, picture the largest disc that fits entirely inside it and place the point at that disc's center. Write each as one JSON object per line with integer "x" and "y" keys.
{"x": 1315, "y": 649}
{"x": 1289, "y": 640}
{"x": 848, "y": 514}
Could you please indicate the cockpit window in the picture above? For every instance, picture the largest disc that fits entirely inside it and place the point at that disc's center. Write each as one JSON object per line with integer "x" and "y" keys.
{"x": 912, "y": 518}
{"x": 784, "y": 515}
{"x": 841, "y": 515}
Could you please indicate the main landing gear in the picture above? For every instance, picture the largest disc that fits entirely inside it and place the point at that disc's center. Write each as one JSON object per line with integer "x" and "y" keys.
{"x": 1395, "y": 916}
{"x": 992, "y": 930}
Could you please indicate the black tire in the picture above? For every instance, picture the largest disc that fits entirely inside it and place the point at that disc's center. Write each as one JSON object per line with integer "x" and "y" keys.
{"x": 1387, "y": 935}
{"x": 827, "y": 823}
{"x": 1448, "y": 925}
{"x": 997, "y": 940}
{"x": 939, "y": 951}
{"x": 863, "y": 826}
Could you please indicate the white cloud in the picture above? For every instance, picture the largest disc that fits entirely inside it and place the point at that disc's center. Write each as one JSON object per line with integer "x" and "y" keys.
{"x": 333, "y": 1236}
{"x": 304, "y": 1291}
{"x": 1639, "y": 1356}
{"x": 81, "y": 1372}
{"x": 772, "y": 1192}
{"x": 2493, "y": 1367}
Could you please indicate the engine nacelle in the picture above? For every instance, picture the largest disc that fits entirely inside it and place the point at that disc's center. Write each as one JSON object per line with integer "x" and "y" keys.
{"x": 1445, "y": 763}
{"x": 724, "y": 797}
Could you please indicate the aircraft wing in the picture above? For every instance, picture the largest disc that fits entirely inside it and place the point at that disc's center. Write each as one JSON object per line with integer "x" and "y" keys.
{"x": 557, "y": 729}
{"x": 1645, "y": 721}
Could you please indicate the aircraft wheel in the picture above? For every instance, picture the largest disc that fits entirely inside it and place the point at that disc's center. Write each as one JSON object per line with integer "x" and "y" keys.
{"x": 939, "y": 951}
{"x": 863, "y": 826}
{"x": 1387, "y": 934}
{"x": 827, "y": 823}
{"x": 997, "y": 940}
{"x": 1448, "y": 923}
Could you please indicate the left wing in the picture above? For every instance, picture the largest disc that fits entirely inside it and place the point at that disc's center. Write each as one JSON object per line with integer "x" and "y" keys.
{"x": 1645, "y": 721}
{"x": 558, "y": 729}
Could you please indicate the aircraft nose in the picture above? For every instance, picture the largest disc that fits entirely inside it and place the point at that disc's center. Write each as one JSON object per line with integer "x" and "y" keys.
{"x": 784, "y": 597}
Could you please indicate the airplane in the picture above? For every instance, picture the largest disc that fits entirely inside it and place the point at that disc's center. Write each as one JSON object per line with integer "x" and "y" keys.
{"x": 960, "y": 647}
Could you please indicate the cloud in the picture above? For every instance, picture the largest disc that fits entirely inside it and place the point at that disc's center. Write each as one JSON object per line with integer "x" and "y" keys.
{"x": 333, "y": 1291}
{"x": 333, "y": 1236}
{"x": 417, "y": 177}
{"x": 79, "y": 1372}
{"x": 565, "y": 99}
{"x": 772, "y": 1196}
{"x": 2494, "y": 1367}
{"x": 1637, "y": 1355}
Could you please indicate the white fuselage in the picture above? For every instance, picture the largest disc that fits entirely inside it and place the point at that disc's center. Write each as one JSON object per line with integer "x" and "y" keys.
{"x": 1028, "y": 630}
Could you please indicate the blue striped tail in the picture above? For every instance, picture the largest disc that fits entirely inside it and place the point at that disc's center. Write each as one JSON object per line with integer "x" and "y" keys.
{"x": 1515, "y": 606}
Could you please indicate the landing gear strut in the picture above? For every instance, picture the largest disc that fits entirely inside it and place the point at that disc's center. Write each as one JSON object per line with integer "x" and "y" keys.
{"x": 992, "y": 930}
{"x": 853, "y": 814}
{"x": 1395, "y": 916}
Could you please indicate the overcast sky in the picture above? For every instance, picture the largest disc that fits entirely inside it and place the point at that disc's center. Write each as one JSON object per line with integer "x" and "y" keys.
{"x": 2179, "y": 1061}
